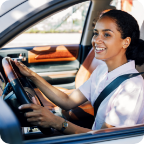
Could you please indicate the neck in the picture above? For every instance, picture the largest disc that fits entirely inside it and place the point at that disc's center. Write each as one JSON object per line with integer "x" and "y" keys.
{"x": 115, "y": 63}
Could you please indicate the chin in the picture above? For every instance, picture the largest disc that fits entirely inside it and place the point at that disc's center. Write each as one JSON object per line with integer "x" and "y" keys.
{"x": 100, "y": 58}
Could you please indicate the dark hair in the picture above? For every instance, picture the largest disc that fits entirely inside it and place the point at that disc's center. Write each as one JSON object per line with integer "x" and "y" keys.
{"x": 128, "y": 27}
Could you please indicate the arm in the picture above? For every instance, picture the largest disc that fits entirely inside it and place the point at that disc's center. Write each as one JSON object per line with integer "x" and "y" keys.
{"x": 42, "y": 117}
{"x": 56, "y": 96}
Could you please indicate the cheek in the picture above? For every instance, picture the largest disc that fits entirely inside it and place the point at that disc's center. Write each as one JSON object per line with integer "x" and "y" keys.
{"x": 114, "y": 47}
{"x": 113, "y": 44}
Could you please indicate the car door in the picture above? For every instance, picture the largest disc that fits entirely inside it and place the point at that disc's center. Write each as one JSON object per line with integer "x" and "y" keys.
{"x": 53, "y": 52}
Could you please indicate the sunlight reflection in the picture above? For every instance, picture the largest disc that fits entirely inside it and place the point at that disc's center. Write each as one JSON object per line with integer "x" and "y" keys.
{"x": 17, "y": 14}
{"x": 127, "y": 97}
{"x": 20, "y": 11}
{"x": 131, "y": 86}
{"x": 35, "y": 4}
{"x": 126, "y": 105}
{"x": 129, "y": 122}
{"x": 113, "y": 117}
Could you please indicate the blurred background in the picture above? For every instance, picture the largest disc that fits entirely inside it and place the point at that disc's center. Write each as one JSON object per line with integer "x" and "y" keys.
{"x": 66, "y": 26}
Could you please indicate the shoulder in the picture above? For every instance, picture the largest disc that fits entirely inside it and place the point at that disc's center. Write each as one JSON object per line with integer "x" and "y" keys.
{"x": 135, "y": 83}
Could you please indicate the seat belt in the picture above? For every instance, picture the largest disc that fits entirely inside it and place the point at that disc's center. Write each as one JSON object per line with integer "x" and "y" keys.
{"x": 111, "y": 87}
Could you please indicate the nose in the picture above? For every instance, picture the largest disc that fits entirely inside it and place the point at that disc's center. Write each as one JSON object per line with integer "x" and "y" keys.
{"x": 98, "y": 39}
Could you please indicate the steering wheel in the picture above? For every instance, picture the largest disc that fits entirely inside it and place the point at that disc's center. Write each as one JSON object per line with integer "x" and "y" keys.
{"x": 18, "y": 83}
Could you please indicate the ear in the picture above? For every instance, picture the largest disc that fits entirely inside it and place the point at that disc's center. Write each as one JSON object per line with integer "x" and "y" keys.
{"x": 126, "y": 42}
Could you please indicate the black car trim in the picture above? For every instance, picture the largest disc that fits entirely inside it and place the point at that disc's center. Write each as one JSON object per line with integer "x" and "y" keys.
{"x": 13, "y": 8}
{"x": 84, "y": 52}
{"x": 90, "y": 138}
{"x": 33, "y": 17}
{"x": 85, "y": 49}
{"x": 83, "y": 31}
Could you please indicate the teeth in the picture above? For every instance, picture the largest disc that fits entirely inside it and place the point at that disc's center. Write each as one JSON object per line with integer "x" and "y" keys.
{"x": 100, "y": 48}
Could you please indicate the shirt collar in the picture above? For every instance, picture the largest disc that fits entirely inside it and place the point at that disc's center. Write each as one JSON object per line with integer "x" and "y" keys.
{"x": 121, "y": 70}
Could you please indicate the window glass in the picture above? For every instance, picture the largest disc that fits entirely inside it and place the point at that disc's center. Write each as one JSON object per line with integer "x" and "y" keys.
{"x": 64, "y": 27}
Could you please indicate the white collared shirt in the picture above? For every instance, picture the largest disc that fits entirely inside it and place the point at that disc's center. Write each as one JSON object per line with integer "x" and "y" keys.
{"x": 122, "y": 107}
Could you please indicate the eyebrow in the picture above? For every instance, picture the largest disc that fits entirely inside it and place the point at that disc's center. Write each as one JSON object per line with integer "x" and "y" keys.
{"x": 103, "y": 30}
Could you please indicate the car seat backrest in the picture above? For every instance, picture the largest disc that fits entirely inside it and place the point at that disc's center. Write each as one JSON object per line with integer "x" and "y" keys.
{"x": 86, "y": 69}
{"x": 141, "y": 68}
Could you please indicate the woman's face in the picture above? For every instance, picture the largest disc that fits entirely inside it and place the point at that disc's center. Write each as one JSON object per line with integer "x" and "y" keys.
{"x": 107, "y": 41}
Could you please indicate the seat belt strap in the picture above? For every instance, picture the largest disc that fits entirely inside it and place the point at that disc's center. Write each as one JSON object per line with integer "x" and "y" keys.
{"x": 111, "y": 87}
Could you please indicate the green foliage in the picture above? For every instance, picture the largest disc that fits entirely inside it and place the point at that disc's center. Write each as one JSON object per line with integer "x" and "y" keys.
{"x": 52, "y": 31}
{"x": 76, "y": 22}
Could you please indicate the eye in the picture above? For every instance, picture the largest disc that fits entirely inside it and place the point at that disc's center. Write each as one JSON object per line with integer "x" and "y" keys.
{"x": 107, "y": 35}
{"x": 95, "y": 33}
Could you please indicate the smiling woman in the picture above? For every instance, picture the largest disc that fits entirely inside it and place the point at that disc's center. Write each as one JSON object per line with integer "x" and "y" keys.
{"x": 116, "y": 35}
{"x": 116, "y": 42}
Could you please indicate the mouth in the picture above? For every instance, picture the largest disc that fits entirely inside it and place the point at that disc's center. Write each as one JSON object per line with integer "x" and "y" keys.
{"x": 99, "y": 49}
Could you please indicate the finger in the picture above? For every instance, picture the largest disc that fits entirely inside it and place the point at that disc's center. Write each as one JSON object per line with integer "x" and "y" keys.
{"x": 34, "y": 123}
{"x": 34, "y": 100}
{"x": 29, "y": 106}
{"x": 21, "y": 64}
{"x": 33, "y": 119}
{"x": 40, "y": 124}
{"x": 17, "y": 63}
{"x": 15, "y": 60}
{"x": 32, "y": 114}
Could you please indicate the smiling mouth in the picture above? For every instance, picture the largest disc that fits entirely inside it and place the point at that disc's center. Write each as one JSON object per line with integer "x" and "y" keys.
{"x": 99, "y": 49}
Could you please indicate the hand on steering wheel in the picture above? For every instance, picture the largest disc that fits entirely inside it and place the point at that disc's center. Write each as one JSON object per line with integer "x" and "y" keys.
{"x": 24, "y": 70}
{"x": 40, "y": 116}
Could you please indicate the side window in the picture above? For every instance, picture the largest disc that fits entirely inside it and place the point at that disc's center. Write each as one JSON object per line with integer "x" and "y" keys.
{"x": 64, "y": 27}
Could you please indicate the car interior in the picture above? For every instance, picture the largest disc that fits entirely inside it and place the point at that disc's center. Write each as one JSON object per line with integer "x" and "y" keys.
{"x": 67, "y": 72}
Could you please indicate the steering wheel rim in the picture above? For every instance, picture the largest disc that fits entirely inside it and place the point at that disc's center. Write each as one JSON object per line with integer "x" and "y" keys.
{"x": 13, "y": 75}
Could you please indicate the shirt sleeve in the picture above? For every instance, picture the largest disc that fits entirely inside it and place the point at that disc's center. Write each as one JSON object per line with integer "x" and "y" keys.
{"x": 86, "y": 87}
{"x": 126, "y": 107}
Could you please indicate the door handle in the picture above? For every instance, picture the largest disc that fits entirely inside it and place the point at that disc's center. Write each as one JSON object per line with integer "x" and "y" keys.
{"x": 19, "y": 58}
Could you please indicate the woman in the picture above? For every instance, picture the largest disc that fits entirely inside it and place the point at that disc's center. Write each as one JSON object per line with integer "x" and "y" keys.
{"x": 116, "y": 42}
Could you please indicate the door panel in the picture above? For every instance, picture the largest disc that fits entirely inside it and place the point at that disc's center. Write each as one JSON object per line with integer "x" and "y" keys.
{"x": 56, "y": 64}
{"x": 53, "y": 53}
